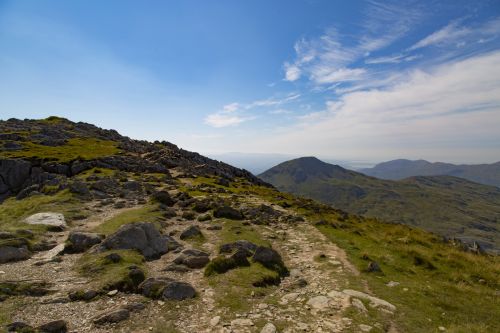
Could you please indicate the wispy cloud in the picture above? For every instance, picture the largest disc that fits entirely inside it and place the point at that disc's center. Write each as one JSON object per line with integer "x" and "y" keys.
{"x": 459, "y": 34}
{"x": 448, "y": 105}
{"x": 223, "y": 119}
{"x": 394, "y": 59}
{"x": 330, "y": 57}
{"x": 236, "y": 113}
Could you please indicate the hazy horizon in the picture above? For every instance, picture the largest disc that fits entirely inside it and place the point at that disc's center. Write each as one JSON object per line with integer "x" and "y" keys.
{"x": 362, "y": 81}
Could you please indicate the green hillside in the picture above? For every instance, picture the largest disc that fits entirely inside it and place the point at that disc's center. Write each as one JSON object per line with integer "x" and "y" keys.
{"x": 449, "y": 206}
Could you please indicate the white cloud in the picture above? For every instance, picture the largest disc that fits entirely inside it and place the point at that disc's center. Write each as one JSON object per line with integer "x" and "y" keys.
{"x": 280, "y": 111}
{"x": 449, "y": 33}
{"x": 451, "y": 109}
{"x": 325, "y": 75}
{"x": 292, "y": 72}
{"x": 457, "y": 34}
{"x": 221, "y": 119}
{"x": 394, "y": 59}
{"x": 231, "y": 107}
{"x": 329, "y": 58}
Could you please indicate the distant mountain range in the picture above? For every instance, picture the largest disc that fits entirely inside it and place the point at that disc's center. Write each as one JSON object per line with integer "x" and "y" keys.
{"x": 257, "y": 163}
{"x": 447, "y": 205}
{"x": 488, "y": 174}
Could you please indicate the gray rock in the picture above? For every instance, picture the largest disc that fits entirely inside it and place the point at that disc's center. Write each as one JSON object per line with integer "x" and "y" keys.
{"x": 190, "y": 232}
{"x": 141, "y": 236}
{"x": 48, "y": 219}
{"x": 374, "y": 301}
{"x": 78, "y": 242}
{"x": 134, "y": 307}
{"x": 319, "y": 302}
{"x": 11, "y": 253}
{"x": 18, "y": 326}
{"x": 56, "y": 326}
{"x": 178, "y": 291}
{"x": 228, "y": 212}
{"x": 166, "y": 288}
{"x": 238, "y": 245}
{"x": 270, "y": 258}
{"x": 192, "y": 258}
{"x": 269, "y": 328}
{"x": 114, "y": 316}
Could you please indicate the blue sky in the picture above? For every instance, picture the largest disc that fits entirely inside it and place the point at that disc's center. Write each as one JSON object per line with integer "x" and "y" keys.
{"x": 362, "y": 80}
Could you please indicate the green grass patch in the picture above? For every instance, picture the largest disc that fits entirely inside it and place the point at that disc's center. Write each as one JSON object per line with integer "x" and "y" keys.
{"x": 146, "y": 213}
{"x": 234, "y": 288}
{"x": 235, "y": 230}
{"x": 439, "y": 284}
{"x": 106, "y": 274}
{"x": 13, "y": 212}
{"x": 75, "y": 148}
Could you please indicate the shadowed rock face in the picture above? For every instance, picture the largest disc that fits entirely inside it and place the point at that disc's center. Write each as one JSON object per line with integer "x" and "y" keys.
{"x": 143, "y": 237}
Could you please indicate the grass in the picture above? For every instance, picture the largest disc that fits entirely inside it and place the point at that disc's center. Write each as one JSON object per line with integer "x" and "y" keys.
{"x": 439, "y": 284}
{"x": 234, "y": 230}
{"x": 107, "y": 275}
{"x": 13, "y": 212}
{"x": 235, "y": 287}
{"x": 75, "y": 148}
{"x": 146, "y": 213}
{"x": 8, "y": 307}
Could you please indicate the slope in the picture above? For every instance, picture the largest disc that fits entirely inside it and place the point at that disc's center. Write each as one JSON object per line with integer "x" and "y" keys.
{"x": 449, "y": 206}
{"x": 180, "y": 243}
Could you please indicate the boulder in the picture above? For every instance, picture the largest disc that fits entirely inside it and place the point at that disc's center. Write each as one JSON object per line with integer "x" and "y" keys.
{"x": 55, "y": 220}
{"x": 190, "y": 232}
{"x": 56, "y": 326}
{"x": 192, "y": 258}
{"x": 167, "y": 289}
{"x": 78, "y": 242}
{"x": 271, "y": 259}
{"x": 14, "y": 174}
{"x": 11, "y": 253}
{"x": 114, "y": 316}
{"x": 19, "y": 326}
{"x": 140, "y": 236}
{"x": 178, "y": 291}
{"x": 269, "y": 328}
{"x": 82, "y": 295}
{"x": 228, "y": 212}
{"x": 164, "y": 198}
{"x": 238, "y": 245}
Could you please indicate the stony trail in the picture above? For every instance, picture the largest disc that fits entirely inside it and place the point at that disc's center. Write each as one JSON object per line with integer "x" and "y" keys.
{"x": 309, "y": 300}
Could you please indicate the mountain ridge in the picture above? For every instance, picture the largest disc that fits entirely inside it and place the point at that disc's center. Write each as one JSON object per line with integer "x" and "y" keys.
{"x": 488, "y": 174}
{"x": 448, "y": 205}
{"x": 102, "y": 233}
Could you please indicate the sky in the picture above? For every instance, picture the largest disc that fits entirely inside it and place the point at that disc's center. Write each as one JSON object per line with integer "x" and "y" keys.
{"x": 348, "y": 80}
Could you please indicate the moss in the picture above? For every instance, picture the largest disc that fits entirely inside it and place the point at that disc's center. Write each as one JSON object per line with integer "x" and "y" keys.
{"x": 75, "y": 148}
{"x": 220, "y": 265}
{"x": 107, "y": 275}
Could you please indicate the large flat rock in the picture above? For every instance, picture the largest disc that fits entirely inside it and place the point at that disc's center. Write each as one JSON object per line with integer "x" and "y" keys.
{"x": 49, "y": 219}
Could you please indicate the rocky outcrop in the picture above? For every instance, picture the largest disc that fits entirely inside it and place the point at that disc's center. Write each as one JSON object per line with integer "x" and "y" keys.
{"x": 54, "y": 220}
{"x": 167, "y": 289}
{"x": 192, "y": 258}
{"x": 141, "y": 236}
{"x": 78, "y": 241}
{"x": 191, "y": 232}
{"x": 11, "y": 253}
